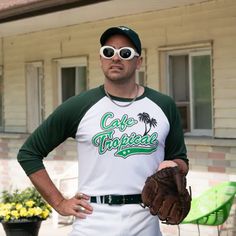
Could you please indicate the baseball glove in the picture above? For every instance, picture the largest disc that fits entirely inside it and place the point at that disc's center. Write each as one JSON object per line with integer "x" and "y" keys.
{"x": 166, "y": 195}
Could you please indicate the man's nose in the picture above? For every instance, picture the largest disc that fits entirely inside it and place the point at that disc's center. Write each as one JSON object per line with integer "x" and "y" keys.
{"x": 116, "y": 57}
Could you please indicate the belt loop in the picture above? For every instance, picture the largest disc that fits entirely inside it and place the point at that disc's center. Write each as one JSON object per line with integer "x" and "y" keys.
{"x": 98, "y": 199}
{"x": 109, "y": 199}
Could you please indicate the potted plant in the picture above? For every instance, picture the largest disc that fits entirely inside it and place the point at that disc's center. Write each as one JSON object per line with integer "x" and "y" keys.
{"x": 21, "y": 212}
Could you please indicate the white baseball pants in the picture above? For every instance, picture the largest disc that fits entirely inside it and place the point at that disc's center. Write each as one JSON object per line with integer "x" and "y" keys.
{"x": 117, "y": 220}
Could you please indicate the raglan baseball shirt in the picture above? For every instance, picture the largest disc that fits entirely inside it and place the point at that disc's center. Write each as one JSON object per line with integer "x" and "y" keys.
{"x": 118, "y": 147}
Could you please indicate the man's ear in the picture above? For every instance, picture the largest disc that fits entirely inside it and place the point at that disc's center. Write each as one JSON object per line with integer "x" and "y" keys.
{"x": 139, "y": 62}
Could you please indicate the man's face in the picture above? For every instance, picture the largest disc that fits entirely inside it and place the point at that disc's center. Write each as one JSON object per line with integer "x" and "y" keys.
{"x": 117, "y": 69}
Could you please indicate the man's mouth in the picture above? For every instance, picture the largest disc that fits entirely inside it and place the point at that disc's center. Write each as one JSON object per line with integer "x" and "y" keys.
{"x": 116, "y": 67}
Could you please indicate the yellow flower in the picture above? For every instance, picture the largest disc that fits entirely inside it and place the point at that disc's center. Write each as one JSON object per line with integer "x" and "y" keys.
{"x": 7, "y": 217}
{"x": 45, "y": 214}
{"x": 4, "y": 212}
{"x": 15, "y": 214}
{"x": 30, "y": 212}
{"x": 8, "y": 205}
{"x": 23, "y": 204}
{"x": 37, "y": 211}
{"x": 18, "y": 206}
{"x": 30, "y": 203}
{"x": 23, "y": 212}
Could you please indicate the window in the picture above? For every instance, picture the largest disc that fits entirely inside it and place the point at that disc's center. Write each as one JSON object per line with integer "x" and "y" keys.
{"x": 73, "y": 81}
{"x": 72, "y": 77}
{"x": 189, "y": 83}
{"x": 1, "y": 98}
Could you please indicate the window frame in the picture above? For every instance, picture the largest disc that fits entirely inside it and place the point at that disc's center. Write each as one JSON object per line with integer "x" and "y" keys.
{"x": 34, "y": 119}
{"x": 204, "y": 48}
{"x": 142, "y": 70}
{"x": 81, "y": 61}
{"x": 205, "y": 132}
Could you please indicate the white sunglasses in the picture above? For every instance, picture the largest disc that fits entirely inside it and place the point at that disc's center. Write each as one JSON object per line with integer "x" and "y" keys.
{"x": 125, "y": 53}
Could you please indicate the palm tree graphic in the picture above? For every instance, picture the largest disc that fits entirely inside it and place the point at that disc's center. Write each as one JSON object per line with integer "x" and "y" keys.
{"x": 145, "y": 117}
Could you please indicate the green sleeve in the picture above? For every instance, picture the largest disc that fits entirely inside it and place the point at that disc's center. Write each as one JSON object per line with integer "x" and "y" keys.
{"x": 59, "y": 126}
{"x": 174, "y": 145}
{"x": 53, "y": 131}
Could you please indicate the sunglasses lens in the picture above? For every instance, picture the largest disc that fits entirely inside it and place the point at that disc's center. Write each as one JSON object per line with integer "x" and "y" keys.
{"x": 125, "y": 53}
{"x": 108, "y": 52}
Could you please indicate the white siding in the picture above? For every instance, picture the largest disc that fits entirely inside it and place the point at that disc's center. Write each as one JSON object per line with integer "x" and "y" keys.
{"x": 214, "y": 20}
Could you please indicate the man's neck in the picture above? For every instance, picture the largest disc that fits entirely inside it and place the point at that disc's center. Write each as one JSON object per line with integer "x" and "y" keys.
{"x": 126, "y": 90}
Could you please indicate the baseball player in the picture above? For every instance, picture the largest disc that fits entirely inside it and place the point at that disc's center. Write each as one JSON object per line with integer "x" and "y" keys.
{"x": 124, "y": 133}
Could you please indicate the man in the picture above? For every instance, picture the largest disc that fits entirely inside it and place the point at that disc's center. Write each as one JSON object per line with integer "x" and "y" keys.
{"x": 125, "y": 132}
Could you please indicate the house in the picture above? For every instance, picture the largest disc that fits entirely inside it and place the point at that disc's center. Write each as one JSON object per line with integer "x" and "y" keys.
{"x": 189, "y": 53}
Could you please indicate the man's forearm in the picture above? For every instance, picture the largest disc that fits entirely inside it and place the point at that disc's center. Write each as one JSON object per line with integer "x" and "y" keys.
{"x": 46, "y": 188}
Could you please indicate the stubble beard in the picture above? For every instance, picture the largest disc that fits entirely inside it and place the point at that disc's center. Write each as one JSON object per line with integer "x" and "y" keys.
{"x": 119, "y": 79}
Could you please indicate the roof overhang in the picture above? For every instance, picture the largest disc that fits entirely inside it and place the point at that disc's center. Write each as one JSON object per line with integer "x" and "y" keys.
{"x": 37, "y": 8}
{"x": 39, "y": 19}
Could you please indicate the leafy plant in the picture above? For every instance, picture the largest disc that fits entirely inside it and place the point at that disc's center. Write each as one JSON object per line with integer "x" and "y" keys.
{"x": 23, "y": 205}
